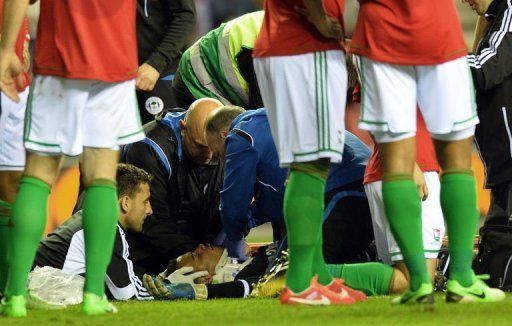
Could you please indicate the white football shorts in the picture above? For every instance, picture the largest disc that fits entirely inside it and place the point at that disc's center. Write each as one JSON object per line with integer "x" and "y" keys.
{"x": 390, "y": 94}
{"x": 12, "y": 115}
{"x": 66, "y": 115}
{"x": 305, "y": 98}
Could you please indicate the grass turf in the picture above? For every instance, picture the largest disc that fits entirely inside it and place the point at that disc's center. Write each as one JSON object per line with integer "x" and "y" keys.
{"x": 375, "y": 311}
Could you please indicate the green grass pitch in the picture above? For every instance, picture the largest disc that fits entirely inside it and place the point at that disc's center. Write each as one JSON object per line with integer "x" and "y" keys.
{"x": 375, "y": 311}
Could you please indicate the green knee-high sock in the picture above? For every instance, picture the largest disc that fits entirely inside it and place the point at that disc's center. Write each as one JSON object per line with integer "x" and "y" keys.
{"x": 371, "y": 278}
{"x": 403, "y": 211}
{"x": 458, "y": 200}
{"x": 319, "y": 266}
{"x": 100, "y": 216}
{"x": 28, "y": 219}
{"x": 303, "y": 208}
{"x": 5, "y": 212}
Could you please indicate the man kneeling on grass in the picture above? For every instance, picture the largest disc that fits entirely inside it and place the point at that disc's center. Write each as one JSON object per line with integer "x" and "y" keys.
{"x": 65, "y": 248}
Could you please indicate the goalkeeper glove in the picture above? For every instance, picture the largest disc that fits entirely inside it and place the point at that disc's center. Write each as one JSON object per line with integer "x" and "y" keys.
{"x": 181, "y": 275}
{"x": 163, "y": 289}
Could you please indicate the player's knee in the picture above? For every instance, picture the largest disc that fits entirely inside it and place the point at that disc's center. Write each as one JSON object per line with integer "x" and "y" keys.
{"x": 42, "y": 166}
{"x": 319, "y": 167}
{"x": 454, "y": 149}
{"x": 399, "y": 282}
{"x": 99, "y": 163}
{"x": 397, "y": 152}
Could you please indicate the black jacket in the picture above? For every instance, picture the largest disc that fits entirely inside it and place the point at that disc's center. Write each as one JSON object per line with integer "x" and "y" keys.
{"x": 184, "y": 196}
{"x": 162, "y": 29}
{"x": 491, "y": 67}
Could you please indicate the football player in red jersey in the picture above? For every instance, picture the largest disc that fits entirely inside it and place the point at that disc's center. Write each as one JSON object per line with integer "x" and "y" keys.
{"x": 409, "y": 57}
{"x": 12, "y": 153}
{"x": 82, "y": 102}
{"x": 300, "y": 66}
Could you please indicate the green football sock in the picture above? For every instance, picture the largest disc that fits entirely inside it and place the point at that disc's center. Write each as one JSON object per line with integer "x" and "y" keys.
{"x": 403, "y": 211}
{"x": 458, "y": 200}
{"x": 371, "y": 278}
{"x": 5, "y": 212}
{"x": 319, "y": 266}
{"x": 28, "y": 220}
{"x": 100, "y": 216}
{"x": 303, "y": 209}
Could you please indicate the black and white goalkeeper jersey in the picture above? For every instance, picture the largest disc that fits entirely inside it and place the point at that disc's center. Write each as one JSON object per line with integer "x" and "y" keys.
{"x": 65, "y": 249}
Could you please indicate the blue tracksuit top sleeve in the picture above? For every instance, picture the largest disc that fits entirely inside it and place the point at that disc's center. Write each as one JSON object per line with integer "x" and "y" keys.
{"x": 238, "y": 188}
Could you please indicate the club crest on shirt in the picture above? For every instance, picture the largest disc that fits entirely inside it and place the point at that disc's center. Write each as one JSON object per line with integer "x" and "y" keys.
{"x": 154, "y": 105}
{"x": 437, "y": 235}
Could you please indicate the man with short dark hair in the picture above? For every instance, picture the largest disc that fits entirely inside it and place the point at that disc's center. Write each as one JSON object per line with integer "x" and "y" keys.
{"x": 64, "y": 248}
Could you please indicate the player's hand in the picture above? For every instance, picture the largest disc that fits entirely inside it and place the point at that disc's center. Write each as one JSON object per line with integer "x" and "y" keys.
{"x": 328, "y": 26}
{"x": 419, "y": 179}
{"x": 162, "y": 289}
{"x": 147, "y": 76}
{"x": 182, "y": 275}
{"x": 11, "y": 76}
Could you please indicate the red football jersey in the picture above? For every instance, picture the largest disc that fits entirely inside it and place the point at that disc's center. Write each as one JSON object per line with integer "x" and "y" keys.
{"x": 425, "y": 155}
{"x": 286, "y": 32}
{"x": 93, "y": 39}
{"x": 408, "y": 32}
{"x": 21, "y": 46}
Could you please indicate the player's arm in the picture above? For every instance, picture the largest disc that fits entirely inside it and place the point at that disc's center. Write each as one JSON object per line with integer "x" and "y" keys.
{"x": 14, "y": 12}
{"x": 493, "y": 63}
{"x": 184, "y": 18}
{"x": 314, "y": 11}
{"x": 238, "y": 188}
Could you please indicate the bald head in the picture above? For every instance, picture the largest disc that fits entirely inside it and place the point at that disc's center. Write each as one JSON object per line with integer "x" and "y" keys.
{"x": 197, "y": 113}
{"x": 192, "y": 129}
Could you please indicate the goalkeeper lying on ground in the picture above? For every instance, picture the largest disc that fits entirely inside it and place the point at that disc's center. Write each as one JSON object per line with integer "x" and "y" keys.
{"x": 208, "y": 273}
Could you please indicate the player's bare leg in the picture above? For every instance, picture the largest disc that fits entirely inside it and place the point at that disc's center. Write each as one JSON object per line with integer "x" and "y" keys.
{"x": 403, "y": 210}
{"x": 458, "y": 200}
{"x": 308, "y": 281}
{"x": 401, "y": 276}
{"x": 99, "y": 221}
{"x": 28, "y": 220}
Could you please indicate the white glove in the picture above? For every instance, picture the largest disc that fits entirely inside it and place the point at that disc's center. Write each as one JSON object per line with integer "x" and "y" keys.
{"x": 181, "y": 275}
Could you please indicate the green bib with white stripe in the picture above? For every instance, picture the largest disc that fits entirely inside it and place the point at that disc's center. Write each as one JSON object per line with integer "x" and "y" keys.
{"x": 209, "y": 67}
